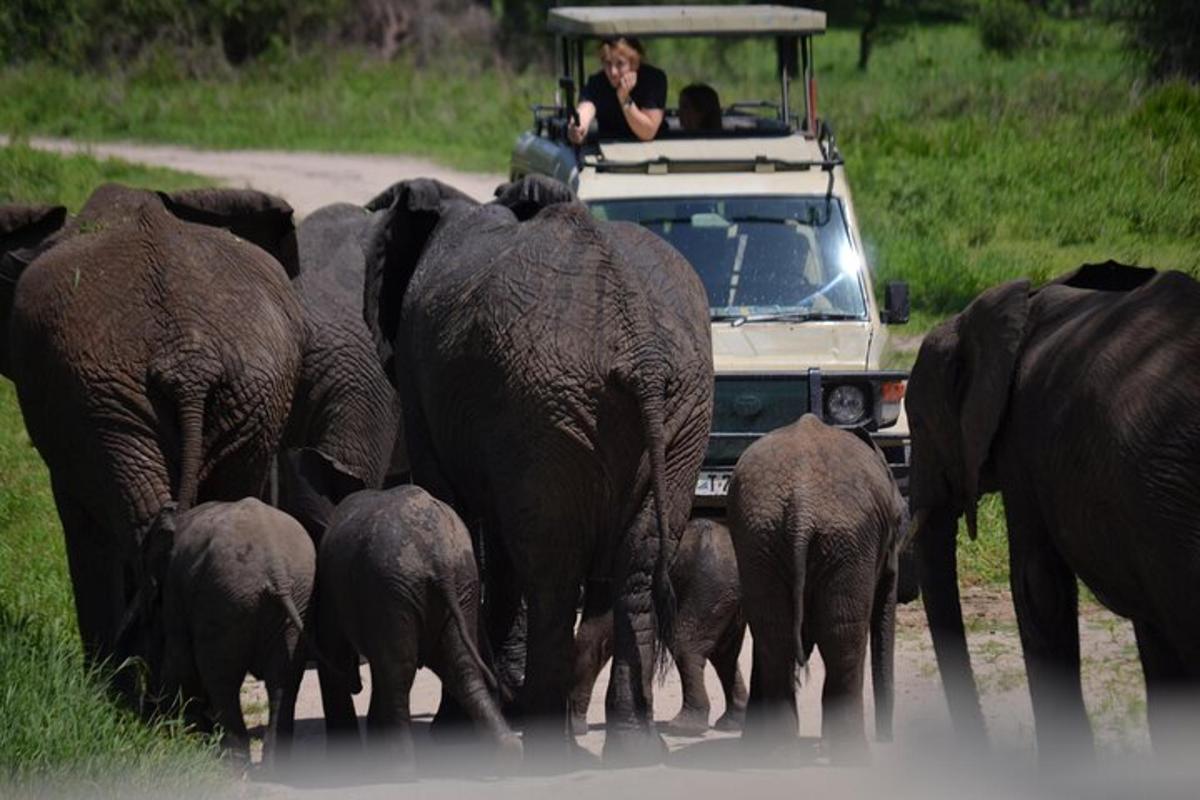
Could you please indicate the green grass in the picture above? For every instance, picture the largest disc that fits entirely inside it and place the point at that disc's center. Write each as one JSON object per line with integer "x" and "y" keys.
{"x": 60, "y": 729}
{"x": 33, "y": 176}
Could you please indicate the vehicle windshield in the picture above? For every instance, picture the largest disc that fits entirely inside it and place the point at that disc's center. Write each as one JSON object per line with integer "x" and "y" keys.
{"x": 760, "y": 258}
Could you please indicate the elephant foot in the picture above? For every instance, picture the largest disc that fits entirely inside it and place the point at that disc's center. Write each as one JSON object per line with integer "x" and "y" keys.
{"x": 510, "y": 754}
{"x": 543, "y": 756}
{"x": 731, "y": 721}
{"x": 849, "y": 754}
{"x": 637, "y": 747}
{"x": 688, "y": 722}
{"x": 579, "y": 724}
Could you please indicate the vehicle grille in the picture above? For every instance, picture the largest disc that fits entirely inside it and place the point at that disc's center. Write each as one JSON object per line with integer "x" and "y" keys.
{"x": 746, "y": 407}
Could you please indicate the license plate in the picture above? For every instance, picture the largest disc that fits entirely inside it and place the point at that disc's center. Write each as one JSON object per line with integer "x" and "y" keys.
{"x": 712, "y": 484}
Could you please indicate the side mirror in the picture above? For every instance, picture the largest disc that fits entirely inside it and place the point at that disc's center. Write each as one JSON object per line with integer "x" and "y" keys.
{"x": 895, "y": 303}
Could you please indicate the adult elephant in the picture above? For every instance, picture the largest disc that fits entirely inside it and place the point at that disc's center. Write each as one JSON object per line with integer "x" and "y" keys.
{"x": 555, "y": 375}
{"x": 154, "y": 342}
{"x": 1077, "y": 402}
{"x": 344, "y": 434}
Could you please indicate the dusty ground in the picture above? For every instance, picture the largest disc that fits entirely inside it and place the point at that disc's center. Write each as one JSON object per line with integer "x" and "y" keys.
{"x": 921, "y": 762}
{"x": 715, "y": 763}
{"x": 1112, "y": 678}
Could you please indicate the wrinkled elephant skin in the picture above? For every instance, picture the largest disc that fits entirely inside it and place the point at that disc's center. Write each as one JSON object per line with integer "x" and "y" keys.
{"x": 1077, "y": 401}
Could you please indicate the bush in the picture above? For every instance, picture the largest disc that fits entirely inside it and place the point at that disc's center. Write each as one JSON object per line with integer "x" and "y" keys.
{"x": 1006, "y": 26}
{"x": 1166, "y": 33}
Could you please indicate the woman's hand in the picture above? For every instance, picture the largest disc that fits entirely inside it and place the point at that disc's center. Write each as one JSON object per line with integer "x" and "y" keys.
{"x": 625, "y": 86}
{"x": 577, "y": 132}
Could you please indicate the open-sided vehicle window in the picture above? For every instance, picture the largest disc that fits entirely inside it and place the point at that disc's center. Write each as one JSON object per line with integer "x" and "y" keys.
{"x": 760, "y": 258}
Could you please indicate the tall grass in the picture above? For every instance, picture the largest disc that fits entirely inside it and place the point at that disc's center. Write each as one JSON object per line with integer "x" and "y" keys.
{"x": 60, "y": 730}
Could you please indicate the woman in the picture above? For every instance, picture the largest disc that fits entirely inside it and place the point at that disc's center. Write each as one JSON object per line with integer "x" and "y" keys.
{"x": 626, "y": 97}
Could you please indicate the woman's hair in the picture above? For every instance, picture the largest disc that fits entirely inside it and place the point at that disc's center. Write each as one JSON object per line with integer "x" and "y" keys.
{"x": 630, "y": 46}
{"x": 702, "y": 99}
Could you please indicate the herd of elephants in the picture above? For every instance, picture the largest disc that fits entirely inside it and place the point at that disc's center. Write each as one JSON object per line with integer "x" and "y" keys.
{"x": 475, "y": 419}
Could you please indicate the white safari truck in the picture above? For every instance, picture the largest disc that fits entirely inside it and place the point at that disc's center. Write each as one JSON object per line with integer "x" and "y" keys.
{"x": 762, "y": 210}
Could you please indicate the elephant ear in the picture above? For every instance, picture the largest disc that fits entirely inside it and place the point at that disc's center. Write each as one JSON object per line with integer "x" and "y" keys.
{"x": 528, "y": 196}
{"x": 864, "y": 436}
{"x": 392, "y": 248}
{"x": 990, "y": 333}
{"x": 25, "y": 232}
{"x": 23, "y": 227}
{"x": 1111, "y": 276}
{"x": 257, "y": 217}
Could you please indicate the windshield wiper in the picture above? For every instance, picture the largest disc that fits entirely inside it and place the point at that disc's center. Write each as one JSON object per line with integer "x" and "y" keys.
{"x": 784, "y": 316}
{"x": 663, "y": 220}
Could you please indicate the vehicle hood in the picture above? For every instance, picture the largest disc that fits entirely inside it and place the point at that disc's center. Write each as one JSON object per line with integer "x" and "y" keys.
{"x": 790, "y": 346}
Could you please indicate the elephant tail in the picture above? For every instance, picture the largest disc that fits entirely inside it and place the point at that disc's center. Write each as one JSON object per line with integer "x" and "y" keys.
{"x": 801, "y": 533}
{"x": 883, "y": 643}
{"x": 468, "y": 636}
{"x": 651, "y": 398}
{"x": 181, "y": 402}
{"x": 310, "y": 643}
{"x": 191, "y": 450}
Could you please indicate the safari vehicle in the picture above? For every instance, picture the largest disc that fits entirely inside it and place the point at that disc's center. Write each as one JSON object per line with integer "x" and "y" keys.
{"x": 762, "y": 210}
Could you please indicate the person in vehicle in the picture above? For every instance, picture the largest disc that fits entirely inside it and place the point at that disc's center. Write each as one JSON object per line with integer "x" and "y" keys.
{"x": 699, "y": 108}
{"x": 627, "y": 97}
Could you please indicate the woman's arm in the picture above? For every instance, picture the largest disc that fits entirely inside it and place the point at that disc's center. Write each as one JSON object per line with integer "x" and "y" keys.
{"x": 587, "y": 113}
{"x": 644, "y": 122}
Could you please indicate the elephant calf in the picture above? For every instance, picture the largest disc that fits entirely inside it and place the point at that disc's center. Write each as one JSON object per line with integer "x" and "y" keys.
{"x": 708, "y": 627}
{"x": 398, "y": 585}
{"x": 235, "y": 580}
{"x": 817, "y": 524}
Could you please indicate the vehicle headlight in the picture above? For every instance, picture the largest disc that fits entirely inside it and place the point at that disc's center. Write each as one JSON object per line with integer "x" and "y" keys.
{"x": 845, "y": 405}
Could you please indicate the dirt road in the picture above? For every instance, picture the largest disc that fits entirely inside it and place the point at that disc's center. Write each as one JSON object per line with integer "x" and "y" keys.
{"x": 1112, "y": 675}
{"x": 306, "y": 180}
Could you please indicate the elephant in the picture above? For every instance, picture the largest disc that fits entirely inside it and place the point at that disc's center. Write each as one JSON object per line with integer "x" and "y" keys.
{"x": 225, "y": 590}
{"x": 1077, "y": 402}
{"x": 709, "y": 626}
{"x": 555, "y": 379}
{"x": 818, "y": 524}
{"x": 154, "y": 342}
{"x": 397, "y": 584}
{"x": 344, "y": 434}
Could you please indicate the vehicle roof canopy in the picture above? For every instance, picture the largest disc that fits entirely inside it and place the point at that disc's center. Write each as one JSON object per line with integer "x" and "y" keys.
{"x": 758, "y": 20}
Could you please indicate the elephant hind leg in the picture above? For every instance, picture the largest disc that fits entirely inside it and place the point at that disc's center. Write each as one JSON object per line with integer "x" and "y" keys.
{"x": 592, "y": 649}
{"x": 393, "y": 660}
{"x": 840, "y": 627}
{"x": 724, "y": 659}
{"x": 1172, "y": 693}
{"x": 692, "y": 719}
{"x": 463, "y": 679}
{"x": 224, "y": 689}
{"x": 97, "y": 580}
{"x": 283, "y": 686}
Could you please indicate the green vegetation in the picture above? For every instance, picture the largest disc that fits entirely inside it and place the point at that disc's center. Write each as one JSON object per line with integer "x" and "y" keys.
{"x": 969, "y": 168}
{"x": 33, "y": 176}
{"x": 59, "y": 723}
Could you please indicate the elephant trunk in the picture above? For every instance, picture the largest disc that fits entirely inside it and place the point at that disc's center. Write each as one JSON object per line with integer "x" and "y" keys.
{"x": 943, "y": 611}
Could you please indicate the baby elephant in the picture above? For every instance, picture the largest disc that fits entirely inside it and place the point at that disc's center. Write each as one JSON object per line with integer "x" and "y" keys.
{"x": 708, "y": 627}
{"x": 398, "y": 585}
{"x": 817, "y": 523}
{"x": 234, "y": 580}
